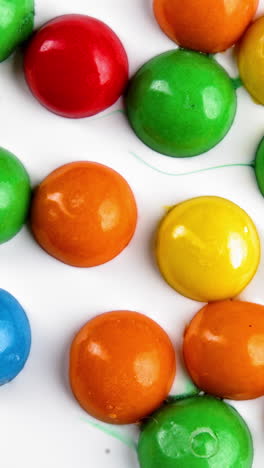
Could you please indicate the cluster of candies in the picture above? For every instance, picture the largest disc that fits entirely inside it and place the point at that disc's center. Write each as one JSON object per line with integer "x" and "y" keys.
{"x": 181, "y": 103}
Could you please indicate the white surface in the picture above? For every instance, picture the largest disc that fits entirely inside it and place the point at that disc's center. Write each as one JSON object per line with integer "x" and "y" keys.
{"x": 41, "y": 424}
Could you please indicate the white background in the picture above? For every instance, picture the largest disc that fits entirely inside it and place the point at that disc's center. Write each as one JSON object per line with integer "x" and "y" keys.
{"x": 41, "y": 425}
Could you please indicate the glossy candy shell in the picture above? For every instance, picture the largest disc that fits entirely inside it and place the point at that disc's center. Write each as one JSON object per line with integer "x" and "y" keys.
{"x": 84, "y": 214}
{"x": 204, "y": 25}
{"x": 15, "y": 337}
{"x": 76, "y": 66}
{"x": 181, "y": 103}
{"x": 199, "y": 432}
{"x": 251, "y": 60}
{"x": 16, "y": 25}
{"x": 224, "y": 350}
{"x": 15, "y": 194}
{"x": 207, "y": 249}
{"x": 122, "y": 366}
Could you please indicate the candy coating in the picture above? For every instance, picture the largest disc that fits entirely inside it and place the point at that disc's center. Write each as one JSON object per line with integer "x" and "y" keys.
{"x": 203, "y": 26}
{"x": 251, "y": 60}
{"x": 224, "y": 349}
{"x": 15, "y": 337}
{"x": 207, "y": 248}
{"x": 198, "y": 432}
{"x": 16, "y": 25}
{"x": 76, "y": 66}
{"x": 15, "y": 194}
{"x": 122, "y": 365}
{"x": 181, "y": 103}
{"x": 84, "y": 214}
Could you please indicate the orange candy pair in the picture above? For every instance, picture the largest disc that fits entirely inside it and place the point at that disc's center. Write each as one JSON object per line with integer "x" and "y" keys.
{"x": 224, "y": 349}
{"x": 122, "y": 366}
{"x": 205, "y": 25}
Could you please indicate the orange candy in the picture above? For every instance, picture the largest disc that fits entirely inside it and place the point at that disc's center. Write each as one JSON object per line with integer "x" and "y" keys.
{"x": 84, "y": 214}
{"x": 205, "y": 25}
{"x": 122, "y": 366}
{"x": 224, "y": 349}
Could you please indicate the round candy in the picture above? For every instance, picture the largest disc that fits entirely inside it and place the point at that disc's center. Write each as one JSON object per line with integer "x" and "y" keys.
{"x": 224, "y": 349}
{"x": 76, "y": 66}
{"x": 251, "y": 60}
{"x": 202, "y": 25}
{"x": 15, "y": 194}
{"x": 207, "y": 249}
{"x": 16, "y": 25}
{"x": 84, "y": 214}
{"x": 259, "y": 166}
{"x": 122, "y": 366}
{"x": 15, "y": 337}
{"x": 181, "y": 103}
{"x": 197, "y": 432}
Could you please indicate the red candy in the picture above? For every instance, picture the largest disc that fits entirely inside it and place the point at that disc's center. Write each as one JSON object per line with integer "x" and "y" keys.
{"x": 76, "y": 66}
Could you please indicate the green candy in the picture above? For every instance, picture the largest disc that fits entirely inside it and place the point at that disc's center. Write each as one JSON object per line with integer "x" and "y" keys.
{"x": 259, "y": 166}
{"x": 181, "y": 103}
{"x": 16, "y": 24}
{"x": 15, "y": 195}
{"x": 197, "y": 432}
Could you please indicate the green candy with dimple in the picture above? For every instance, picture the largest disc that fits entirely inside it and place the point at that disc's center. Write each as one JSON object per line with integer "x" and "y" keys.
{"x": 16, "y": 24}
{"x": 196, "y": 432}
{"x": 15, "y": 194}
{"x": 181, "y": 103}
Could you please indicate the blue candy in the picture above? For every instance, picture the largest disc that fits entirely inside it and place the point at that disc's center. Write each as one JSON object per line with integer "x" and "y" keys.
{"x": 15, "y": 337}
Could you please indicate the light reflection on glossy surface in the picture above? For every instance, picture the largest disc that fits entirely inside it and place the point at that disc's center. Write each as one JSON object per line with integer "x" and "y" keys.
{"x": 207, "y": 248}
{"x": 212, "y": 100}
{"x": 238, "y": 250}
{"x": 256, "y": 349}
{"x": 96, "y": 349}
{"x": 7, "y": 14}
{"x": 6, "y": 335}
{"x": 109, "y": 214}
{"x": 224, "y": 349}
{"x": 6, "y": 194}
{"x": 147, "y": 368}
{"x": 84, "y": 214}
{"x": 122, "y": 366}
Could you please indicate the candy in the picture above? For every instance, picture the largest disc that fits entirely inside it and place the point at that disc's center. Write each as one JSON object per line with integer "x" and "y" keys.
{"x": 259, "y": 166}
{"x": 251, "y": 60}
{"x": 224, "y": 349}
{"x": 207, "y": 249}
{"x": 15, "y": 193}
{"x": 202, "y": 25}
{"x": 16, "y": 25}
{"x": 84, "y": 214}
{"x": 122, "y": 365}
{"x": 15, "y": 337}
{"x": 181, "y": 103}
{"x": 198, "y": 432}
{"x": 76, "y": 66}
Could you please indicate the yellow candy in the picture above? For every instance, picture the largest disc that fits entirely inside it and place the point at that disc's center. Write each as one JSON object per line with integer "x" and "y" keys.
{"x": 251, "y": 60}
{"x": 207, "y": 249}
